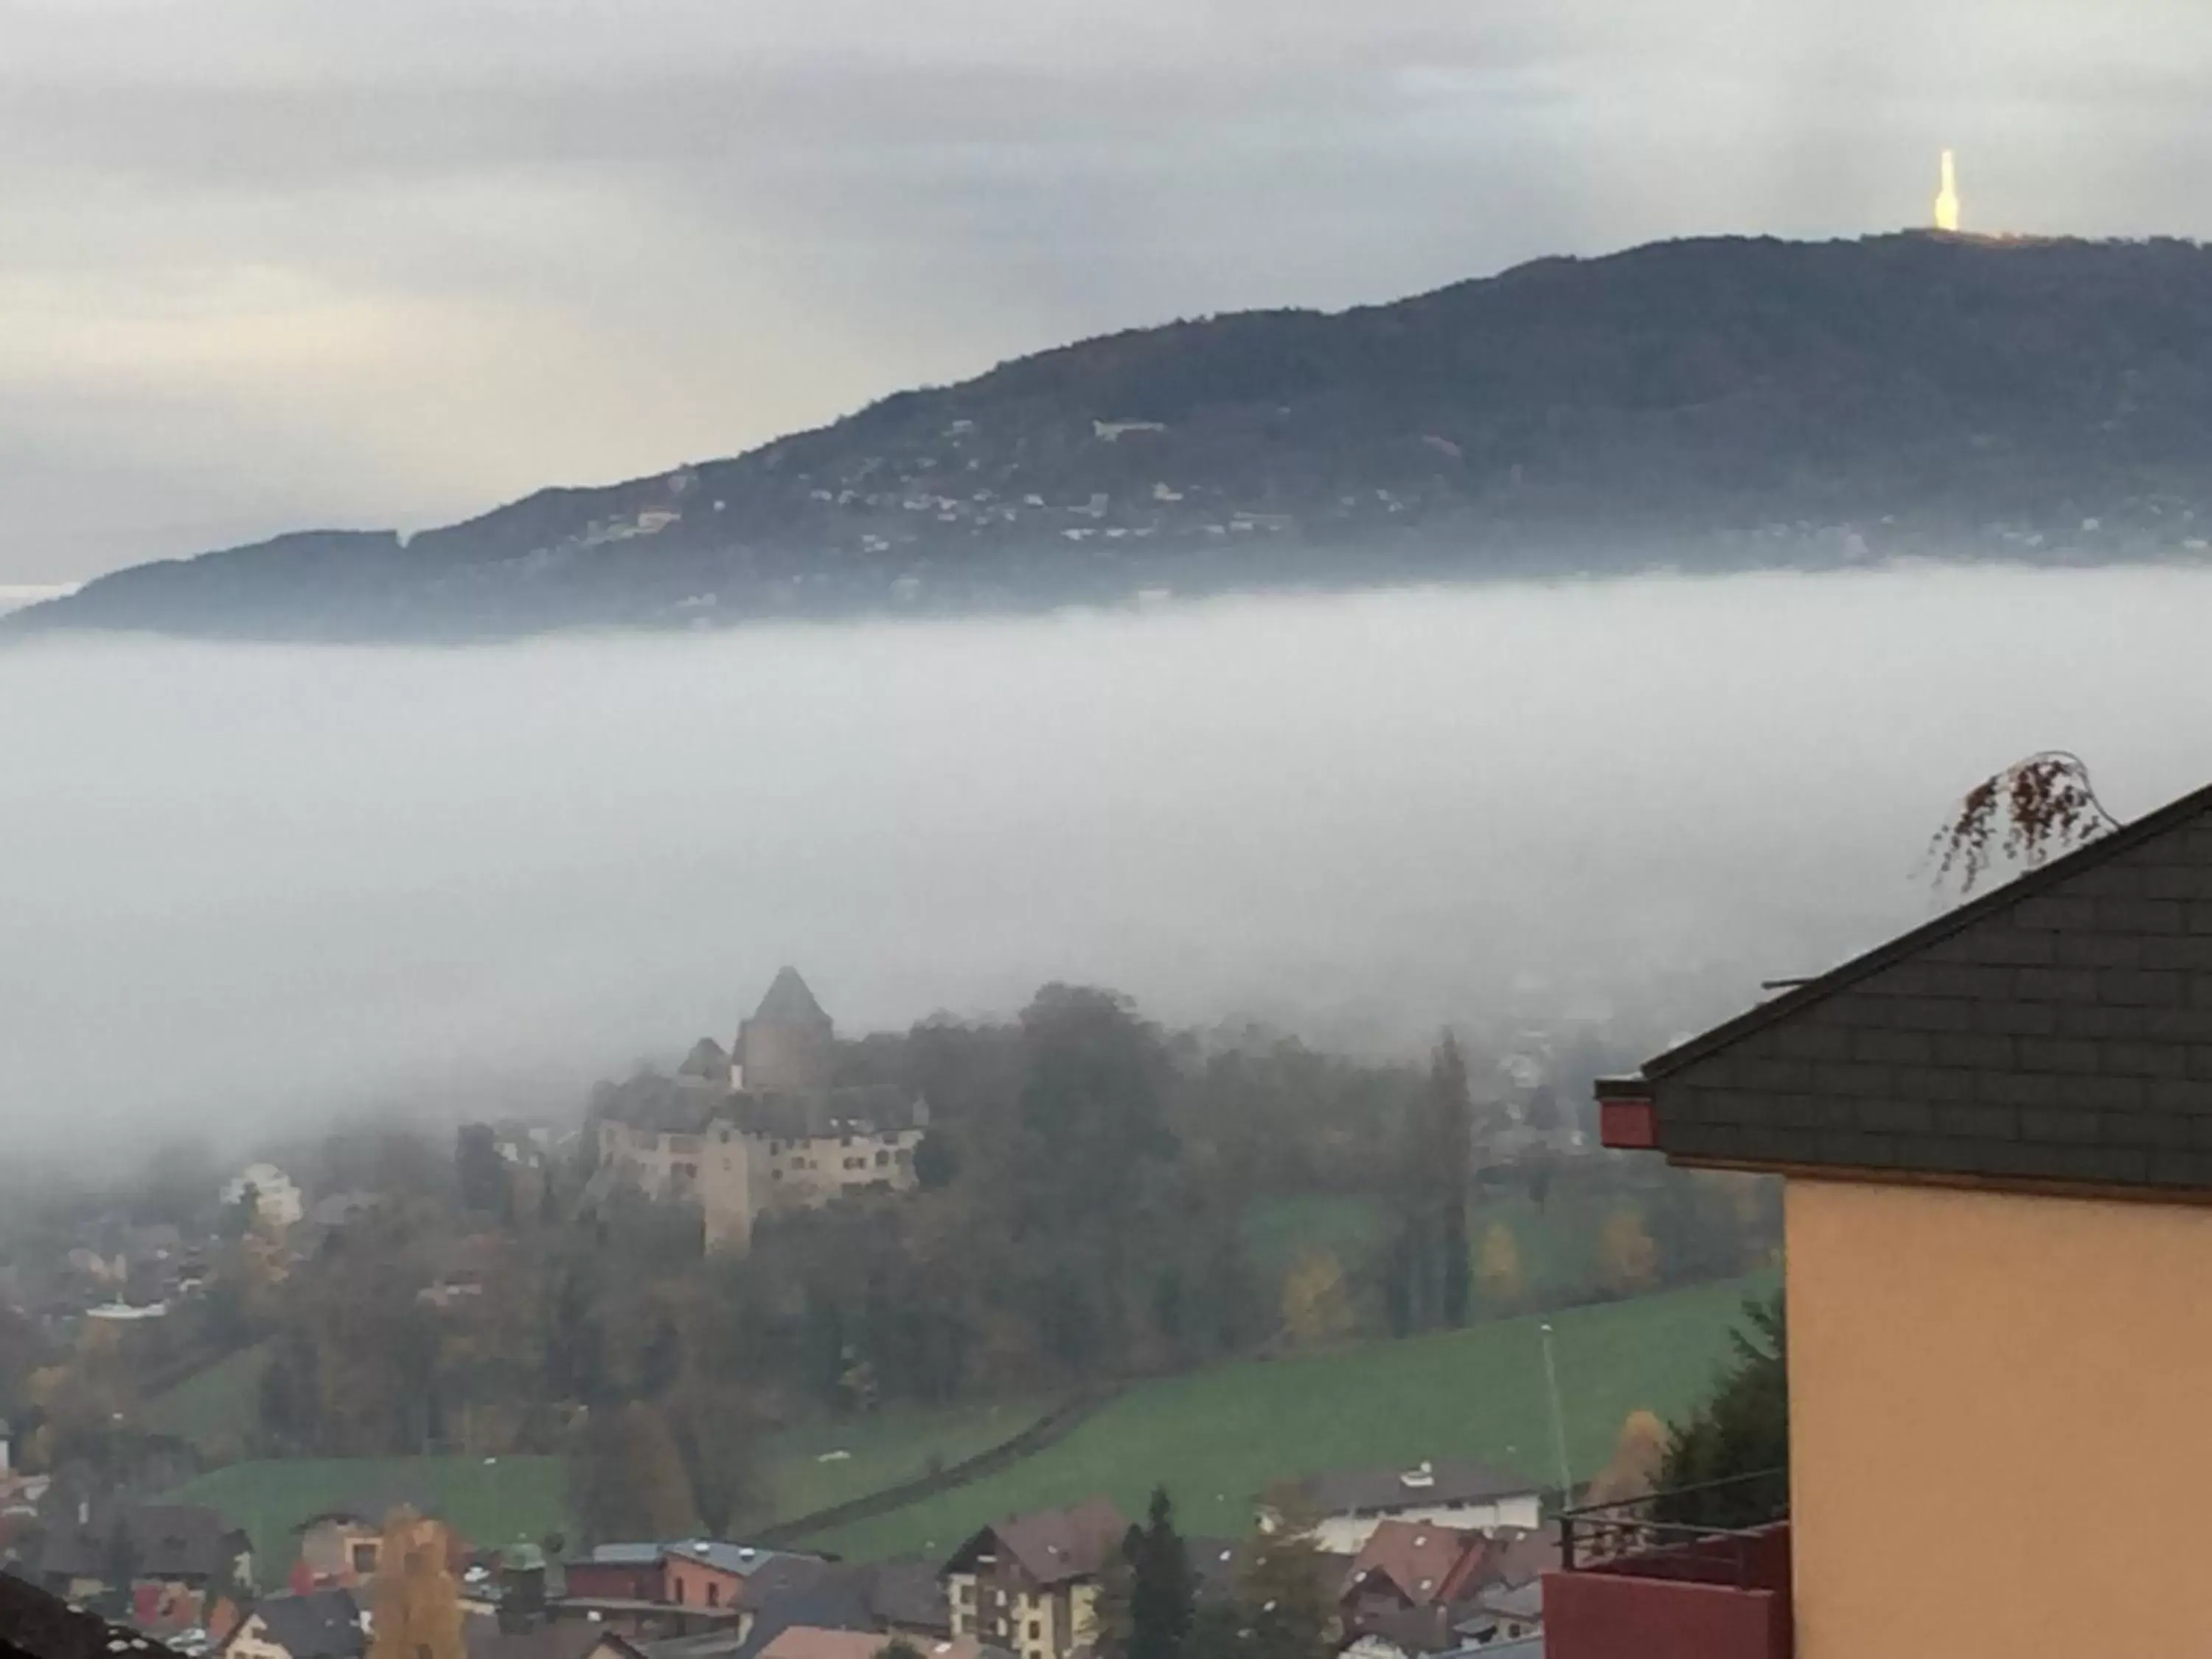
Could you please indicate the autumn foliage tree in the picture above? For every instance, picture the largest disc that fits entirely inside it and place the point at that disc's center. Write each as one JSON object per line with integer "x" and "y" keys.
{"x": 416, "y": 1599}
{"x": 1627, "y": 1259}
{"x": 1499, "y": 1272}
{"x": 1317, "y": 1304}
{"x": 1639, "y": 1456}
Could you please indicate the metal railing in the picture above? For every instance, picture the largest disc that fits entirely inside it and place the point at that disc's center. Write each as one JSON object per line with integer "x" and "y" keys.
{"x": 1712, "y": 1533}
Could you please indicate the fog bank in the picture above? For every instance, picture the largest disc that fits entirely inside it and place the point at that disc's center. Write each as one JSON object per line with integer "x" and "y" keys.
{"x": 241, "y": 886}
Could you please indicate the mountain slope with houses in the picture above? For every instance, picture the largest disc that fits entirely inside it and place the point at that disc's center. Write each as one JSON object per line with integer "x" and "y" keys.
{"x": 1709, "y": 404}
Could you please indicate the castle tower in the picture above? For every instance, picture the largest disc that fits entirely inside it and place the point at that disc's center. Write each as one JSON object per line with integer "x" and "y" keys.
{"x": 785, "y": 1047}
{"x": 1947, "y": 196}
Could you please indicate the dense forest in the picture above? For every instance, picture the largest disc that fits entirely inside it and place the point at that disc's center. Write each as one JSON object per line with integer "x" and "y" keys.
{"x": 1720, "y": 403}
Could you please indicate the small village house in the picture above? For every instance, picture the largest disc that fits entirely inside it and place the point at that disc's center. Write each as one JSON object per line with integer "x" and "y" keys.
{"x": 178, "y": 1547}
{"x": 343, "y": 1546}
{"x": 277, "y": 1203}
{"x": 1449, "y": 1492}
{"x": 1029, "y": 1584}
{"x": 618, "y": 1572}
{"x": 324, "y": 1624}
{"x": 1994, "y": 1134}
{"x": 806, "y": 1642}
{"x": 1408, "y": 1585}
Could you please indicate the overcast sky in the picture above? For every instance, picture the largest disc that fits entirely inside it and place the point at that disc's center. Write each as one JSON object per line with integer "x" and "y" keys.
{"x": 273, "y": 263}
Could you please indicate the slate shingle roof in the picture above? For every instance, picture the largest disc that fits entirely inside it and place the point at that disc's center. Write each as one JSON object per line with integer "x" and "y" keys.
{"x": 320, "y": 1625}
{"x": 2056, "y": 1029}
{"x": 789, "y": 1002}
{"x": 170, "y": 1540}
{"x": 1447, "y": 1480}
{"x": 1053, "y": 1546}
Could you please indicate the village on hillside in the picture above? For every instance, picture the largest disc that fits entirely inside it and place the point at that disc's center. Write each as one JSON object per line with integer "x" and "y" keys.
{"x": 639, "y": 1385}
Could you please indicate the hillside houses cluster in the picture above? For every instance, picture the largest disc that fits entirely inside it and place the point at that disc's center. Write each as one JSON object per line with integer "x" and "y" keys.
{"x": 1442, "y": 1564}
{"x": 760, "y": 1127}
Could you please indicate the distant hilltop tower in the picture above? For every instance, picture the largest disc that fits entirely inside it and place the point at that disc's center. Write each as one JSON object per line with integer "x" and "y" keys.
{"x": 1947, "y": 196}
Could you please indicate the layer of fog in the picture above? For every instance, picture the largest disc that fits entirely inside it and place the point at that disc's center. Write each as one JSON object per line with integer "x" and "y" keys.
{"x": 246, "y": 886}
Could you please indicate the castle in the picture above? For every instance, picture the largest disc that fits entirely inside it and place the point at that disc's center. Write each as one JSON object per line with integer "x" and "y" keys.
{"x": 759, "y": 1127}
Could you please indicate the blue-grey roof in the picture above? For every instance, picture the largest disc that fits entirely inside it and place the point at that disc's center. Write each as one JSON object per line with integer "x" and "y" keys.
{"x": 627, "y": 1555}
{"x": 741, "y": 1559}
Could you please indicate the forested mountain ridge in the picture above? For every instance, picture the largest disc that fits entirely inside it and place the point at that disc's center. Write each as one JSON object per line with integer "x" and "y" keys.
{"x": 1713, "y": 404}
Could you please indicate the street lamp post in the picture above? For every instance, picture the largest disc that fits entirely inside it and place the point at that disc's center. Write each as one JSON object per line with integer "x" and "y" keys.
{"x": 1559, "y": 1417}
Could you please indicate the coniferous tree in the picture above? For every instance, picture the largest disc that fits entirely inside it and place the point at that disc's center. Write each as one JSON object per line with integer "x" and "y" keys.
{"x": 1743, "y": 1429}
{"x": 1160, "y": 1591}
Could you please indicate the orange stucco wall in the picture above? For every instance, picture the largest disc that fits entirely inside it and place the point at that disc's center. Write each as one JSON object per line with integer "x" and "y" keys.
{"x": 2001, "y": 1424}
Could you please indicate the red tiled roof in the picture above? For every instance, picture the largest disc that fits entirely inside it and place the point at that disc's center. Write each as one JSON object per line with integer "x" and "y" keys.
{"x": 1426, "y": 1563}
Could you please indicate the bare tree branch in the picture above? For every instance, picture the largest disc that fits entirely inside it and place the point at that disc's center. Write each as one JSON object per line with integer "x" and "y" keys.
{"x": 2030, "y": 811}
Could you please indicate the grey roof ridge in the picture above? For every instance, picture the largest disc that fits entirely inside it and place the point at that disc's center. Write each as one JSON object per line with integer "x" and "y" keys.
{"x": 1956, "y": 919}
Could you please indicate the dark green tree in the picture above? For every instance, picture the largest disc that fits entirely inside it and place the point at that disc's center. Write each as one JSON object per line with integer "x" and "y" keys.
{"x": 1741, "y": 1429}
{"x": 1111, "y": 1609}
{"x": 1161, "y": 1592}
{"x": 482, "y": 1170}
{"x": 935, "y": 1161}
{"x": 1450, "y": 1130}
{"x": 122, "y": 1560}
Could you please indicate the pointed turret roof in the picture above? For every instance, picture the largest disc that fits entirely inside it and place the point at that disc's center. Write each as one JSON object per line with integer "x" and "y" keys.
{"x": 707, "y": 1059}
{"x": 788, "y": 1002}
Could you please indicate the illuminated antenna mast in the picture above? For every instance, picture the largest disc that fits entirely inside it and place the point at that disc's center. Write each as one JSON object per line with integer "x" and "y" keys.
{"x": 1947, "y": 197}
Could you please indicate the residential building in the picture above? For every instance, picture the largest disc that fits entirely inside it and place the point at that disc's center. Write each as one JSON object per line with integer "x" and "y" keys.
{"x": 1452, "y": 1492}
{"x": 341, "y": 1545}
{"x": 704, "y": 1572}
{"x": 325, "y": 1624}
{"x": 718, "y": 1136}
{"x": 620, "y": 1573}
{"x": 1407, "y": 1585}
{"x": 1994, "y": 1134}
{"x": 806, "y": 1642}
{"x": 179, "y": 1546}
{"x": 1029, "y": 1584}
{"x": 1504, "y": 1613}
{"x": 700, "y": 1575}
{"x": 276, "y": 1201}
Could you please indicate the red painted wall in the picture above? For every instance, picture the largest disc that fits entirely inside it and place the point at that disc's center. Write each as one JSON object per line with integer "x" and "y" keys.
{"x": 1606, "y": 1615}
{"x": 1725, "y": 1598}
{"x": 604, "y": 1581}
{"x": 688, "y": 1584}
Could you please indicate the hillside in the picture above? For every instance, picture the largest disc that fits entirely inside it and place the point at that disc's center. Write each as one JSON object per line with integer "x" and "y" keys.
{"x": 1219, "y": 1437}
{"x": 1719, "y": 404}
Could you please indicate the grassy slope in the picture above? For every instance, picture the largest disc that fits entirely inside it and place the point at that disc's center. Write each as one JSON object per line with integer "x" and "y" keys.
{"x": 525, "y": 1497}
{"x": 1219, "y": 1436}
